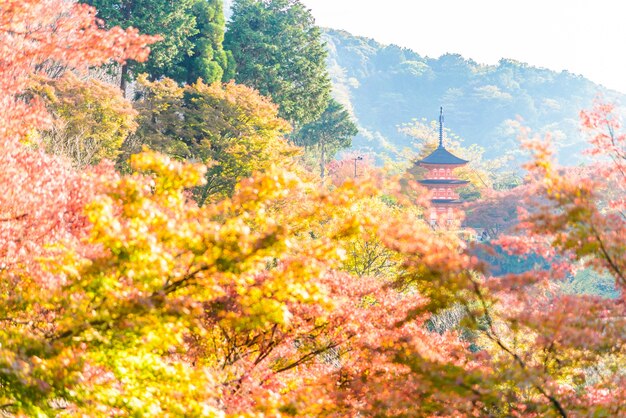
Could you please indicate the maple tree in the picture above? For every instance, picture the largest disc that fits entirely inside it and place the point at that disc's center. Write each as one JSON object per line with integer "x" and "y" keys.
{"x": 155, "y": 270}
{"x": 39, "y": 34}
{"x": 352, "y": 165}
{"x": 565, "y": 347}
{"x": 366, "y": 255}
{"x": 229, "y": 127}
{"x": 40, "y": 198}
{"x": 90, "y": 119}
{"x": 497, "y": 211}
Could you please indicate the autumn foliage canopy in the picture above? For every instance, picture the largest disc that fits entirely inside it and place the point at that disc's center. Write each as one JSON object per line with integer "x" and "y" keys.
{"x": 127, "y": 294}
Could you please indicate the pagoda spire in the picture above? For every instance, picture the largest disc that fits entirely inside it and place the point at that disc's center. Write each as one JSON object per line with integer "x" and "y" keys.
{"x": 441, "y": 127}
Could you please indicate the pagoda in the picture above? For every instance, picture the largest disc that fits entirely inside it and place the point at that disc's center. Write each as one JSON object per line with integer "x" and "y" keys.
{"x": 440, "y": 180}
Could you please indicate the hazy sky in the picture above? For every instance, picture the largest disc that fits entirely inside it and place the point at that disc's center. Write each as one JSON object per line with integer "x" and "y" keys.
{"x": 586, "y": 37}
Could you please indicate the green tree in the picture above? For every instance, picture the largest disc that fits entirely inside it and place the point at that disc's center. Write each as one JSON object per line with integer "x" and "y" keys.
{"x": 332, "y": 131}
{"x": 279, "y": 51}
{"x": 192, "y": 32}
{"x": 229, "y": 127}
{"x": 172, "y": 20}
{"x": 209, "y": 60}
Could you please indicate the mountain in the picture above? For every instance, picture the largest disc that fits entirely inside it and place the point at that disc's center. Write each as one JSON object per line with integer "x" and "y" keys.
{"x": 386, "y": 86}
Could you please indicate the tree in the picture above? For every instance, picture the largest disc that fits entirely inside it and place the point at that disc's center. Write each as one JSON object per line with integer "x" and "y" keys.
{"x": 496, "y": 212}
{"x": 105, "y": 278}
{"x": 192, "y": 33}
{"x": 173, "y": 21}
{"x": 581, "y": 210}
{"x": 564, "y": 346}
{"x": 332, "y": 131}
{"x": 42, "y": 197}
{"x": 195, "y": 310}
{"x": 209, "y": 61}
{"x": 42, "y": 34}
{"x": 90, "y": 119}
{"x": 279, "y": 52}
{"x": 229, "y": 127}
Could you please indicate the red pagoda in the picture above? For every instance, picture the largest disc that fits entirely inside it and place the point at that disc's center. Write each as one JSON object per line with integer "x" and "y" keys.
{"x": 441, "y": 181}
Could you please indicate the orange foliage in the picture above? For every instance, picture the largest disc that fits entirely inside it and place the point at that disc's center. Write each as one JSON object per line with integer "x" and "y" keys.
{"x": 38, "y": 34}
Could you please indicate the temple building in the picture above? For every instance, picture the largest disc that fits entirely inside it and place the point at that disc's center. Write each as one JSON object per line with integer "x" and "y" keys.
{"x": 440, "y": 180}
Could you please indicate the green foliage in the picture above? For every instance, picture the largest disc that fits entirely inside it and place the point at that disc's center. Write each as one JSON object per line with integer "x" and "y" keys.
{"x": 589, "y": 282}
{"x": 172, "y": 20}
{"x": 331, "y": 132}
{"x": 209, "y": 61}
{"x": 387, "y": 86}
{"x": 229, "y": 127}
{"x": 334, "y": 128}
{"x": 278, "y": 51}
{"x": 192, "y": 32}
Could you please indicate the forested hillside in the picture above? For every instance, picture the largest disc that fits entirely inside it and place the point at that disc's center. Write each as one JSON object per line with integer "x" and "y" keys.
{"x": 386, "y": 86}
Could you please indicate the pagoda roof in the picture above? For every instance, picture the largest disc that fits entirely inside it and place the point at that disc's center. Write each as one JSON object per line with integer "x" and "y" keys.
{"x": 442, "y": 156}
{"x": 443, "y": 181}
{"x": 447, "y": 201}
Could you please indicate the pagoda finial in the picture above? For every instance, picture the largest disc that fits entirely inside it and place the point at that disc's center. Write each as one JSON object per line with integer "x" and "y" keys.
{"x": 441, "y": 127}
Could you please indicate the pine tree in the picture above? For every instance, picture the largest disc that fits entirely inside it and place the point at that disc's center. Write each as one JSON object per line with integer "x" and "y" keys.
{"x": 332, "y": 131}
{"x": 172, "y": 20}
{"x": 209, "y": 60}
{"x": 279, "y": 51}
{"x": 192, "y": 32}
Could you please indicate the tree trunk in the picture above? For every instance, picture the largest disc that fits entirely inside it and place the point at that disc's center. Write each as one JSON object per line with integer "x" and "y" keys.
{"x": 123, "y": 79}
{"x": 323, "y": 160}
{"x": 128, "y": 6}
